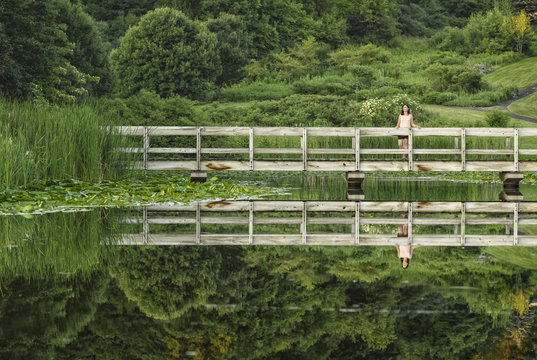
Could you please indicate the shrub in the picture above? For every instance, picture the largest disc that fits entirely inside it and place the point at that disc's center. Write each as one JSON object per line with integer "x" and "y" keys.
{"x": 384, "y": 111}
{"x": 322, "y": 86}
{"x": 497, "y": 118}
{"x": 365, "y": 73}
{"x": 168, "y": 54}
{"x": 364, "y": 55}
{"x": 453, "y": 78}
{"x": 438, "y": 98}
{"x": 255, "y": 91}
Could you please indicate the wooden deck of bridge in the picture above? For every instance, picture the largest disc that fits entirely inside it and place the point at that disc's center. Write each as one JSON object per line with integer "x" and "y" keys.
{"x": 511, "y": 158}
{"x": 358, "y": 216}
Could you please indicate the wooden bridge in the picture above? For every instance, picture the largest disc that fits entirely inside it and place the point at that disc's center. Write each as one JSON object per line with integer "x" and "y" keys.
{"x": 344, "y": 223}
{"x": 519, "y": 154}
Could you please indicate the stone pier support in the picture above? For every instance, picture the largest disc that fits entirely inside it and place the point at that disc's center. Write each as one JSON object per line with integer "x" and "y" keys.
{"x": 354, "y": 185}
{"x": 511, "y": 181}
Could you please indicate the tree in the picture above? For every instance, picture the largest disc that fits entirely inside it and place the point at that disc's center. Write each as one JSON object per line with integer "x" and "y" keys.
{"x": 167, "y": 53}
{"x": 518, "y": 28}
{"x": 235, "y": 46}
{"x": 167, "y": 282}
{"x": 48, "y": 40}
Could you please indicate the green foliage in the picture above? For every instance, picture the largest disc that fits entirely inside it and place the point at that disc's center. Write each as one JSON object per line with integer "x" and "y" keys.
{"x": 384, "y": 111}
{"x": 38, "y": 316}
{"x": 363, "y": 55}
{"x": 439, "y": 98}
{"x": 304, "y": 58}
{"x": 453, "y": 78}
{"x": 497, "y": 118}
{"x": 293, "y": 110}
{"x": 147, "y": 108}
{"x": 41, "y": 142}
{"x": 53, "y": 246}
{"x": 166, "y": 282}
{"x": 54, "y": 52}
{"x": 365, "y": 74}
{"x": 494, "y": 31}
{"x": 369, "y": 20}
{"x": 135, "y": 190}
{"x": 257, "y": 90}
{"x": 331, "y": 85}
{"x": 235, "y": 46}
{"x": 169, "y": 54}
{"x": 484, "y": 98}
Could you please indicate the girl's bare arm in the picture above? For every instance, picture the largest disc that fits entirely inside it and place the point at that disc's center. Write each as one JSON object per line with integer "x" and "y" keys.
{"x": 397, "y": 246}
{"x": 412, "y": 122}
{"x": 398, "y": 122}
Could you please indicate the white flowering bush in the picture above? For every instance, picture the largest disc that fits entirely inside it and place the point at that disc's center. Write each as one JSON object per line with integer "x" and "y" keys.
{"x": 384, "y": 111}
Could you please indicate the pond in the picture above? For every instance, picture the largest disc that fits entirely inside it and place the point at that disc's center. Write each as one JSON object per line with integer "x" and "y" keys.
{"x": 67, "y": 291}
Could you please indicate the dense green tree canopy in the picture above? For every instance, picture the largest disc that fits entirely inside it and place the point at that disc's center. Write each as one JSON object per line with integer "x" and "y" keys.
{"x": 51, "y": 50}
{"x": 169, "y": 54}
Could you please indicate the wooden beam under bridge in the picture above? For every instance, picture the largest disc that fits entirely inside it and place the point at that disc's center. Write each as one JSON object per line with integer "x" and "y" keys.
{"x": 367, "y": 222}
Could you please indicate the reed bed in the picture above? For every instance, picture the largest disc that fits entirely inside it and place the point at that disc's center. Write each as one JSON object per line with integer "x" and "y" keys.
{"x": 55, "y": 245}
{"x": 40, "y": 142}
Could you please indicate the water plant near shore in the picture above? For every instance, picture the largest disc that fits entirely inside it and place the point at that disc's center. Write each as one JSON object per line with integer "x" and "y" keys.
{"x": 136, "y": 190}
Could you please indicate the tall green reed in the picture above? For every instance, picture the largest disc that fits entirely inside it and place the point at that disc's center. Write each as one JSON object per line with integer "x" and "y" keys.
{"x": 39, "y": 142}
{"x": 55, "y": 245}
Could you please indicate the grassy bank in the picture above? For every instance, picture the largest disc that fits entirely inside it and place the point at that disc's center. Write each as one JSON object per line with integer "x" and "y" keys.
{"x": 40, "y": 142}
{"x": 521, "y": 74}
{"x": 526, "y": 106}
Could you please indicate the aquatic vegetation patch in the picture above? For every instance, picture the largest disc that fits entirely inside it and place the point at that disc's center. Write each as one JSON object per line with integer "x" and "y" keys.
{"x": 469, "y": 176}
{"x": 137, "y": 190}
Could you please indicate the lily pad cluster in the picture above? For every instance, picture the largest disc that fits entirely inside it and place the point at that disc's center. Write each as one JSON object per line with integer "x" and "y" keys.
{"x": 137, "y": 190}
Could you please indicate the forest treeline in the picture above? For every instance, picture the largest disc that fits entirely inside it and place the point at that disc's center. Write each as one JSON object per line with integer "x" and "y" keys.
{"x": 275, "y": 303}
{"x": 59, "y": 51}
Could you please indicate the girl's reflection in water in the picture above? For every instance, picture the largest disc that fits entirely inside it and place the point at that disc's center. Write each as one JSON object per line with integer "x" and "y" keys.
{"x": 404, "y": 252}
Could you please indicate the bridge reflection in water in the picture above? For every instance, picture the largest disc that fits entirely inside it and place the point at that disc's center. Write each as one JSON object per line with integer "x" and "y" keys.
{"x": 343, "y": 223}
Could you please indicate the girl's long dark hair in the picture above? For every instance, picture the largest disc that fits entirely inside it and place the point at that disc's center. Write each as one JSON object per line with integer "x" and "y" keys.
{"x": 407, "y": 262}
{"x": 402, "y": 112}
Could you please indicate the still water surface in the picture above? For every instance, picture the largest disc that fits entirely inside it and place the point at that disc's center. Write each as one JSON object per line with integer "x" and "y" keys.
{"x": 65, "y": 296}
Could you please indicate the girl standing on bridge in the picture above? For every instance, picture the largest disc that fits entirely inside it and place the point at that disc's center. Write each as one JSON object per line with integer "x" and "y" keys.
{"x": 405, "y": 120}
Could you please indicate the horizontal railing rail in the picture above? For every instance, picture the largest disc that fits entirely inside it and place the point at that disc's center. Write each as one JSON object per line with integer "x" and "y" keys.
{"x": 360, "y": 216}
{"x": 358, "y": 157}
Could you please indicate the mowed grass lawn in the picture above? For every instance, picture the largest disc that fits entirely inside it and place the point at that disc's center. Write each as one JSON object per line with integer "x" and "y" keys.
{"x": 526, "y": 106}
{"x": 452, "y": 117}
{"x": 521, "y": 74}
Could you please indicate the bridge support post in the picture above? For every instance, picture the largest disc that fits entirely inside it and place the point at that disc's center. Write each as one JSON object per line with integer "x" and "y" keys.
{"x": 354, "y": 185}
{"x": 511, "y": 190}
{"x": 198, "y": 176}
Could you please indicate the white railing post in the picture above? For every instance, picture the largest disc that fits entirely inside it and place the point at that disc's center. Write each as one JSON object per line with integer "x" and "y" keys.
{"x": 463, "y": 224}
{"x": 409, "y": 219}
{"x": 357, "y": 223}
{"x": 303, "y": 227}
{"x": 410, "y": 131}
{"x": 251, "y": 224}
{"x": 304, "y": 145}
{"x": 146, "y": 146}
{"x": 463, "y": 149}
{"x": 251, "y": 143}
{"x": 198, "y": 223}
{"x": 515, "y": 223}
{"x": 198, "y": 149}
{"x": 515, "y": 149}
{"x": 357, "y": 148}
{"x": 145, "y": 226}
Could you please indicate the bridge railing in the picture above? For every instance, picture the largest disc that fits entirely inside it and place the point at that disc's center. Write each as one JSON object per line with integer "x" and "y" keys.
{"x": 344, "y": 223}
{"x": 519, "y": 154}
